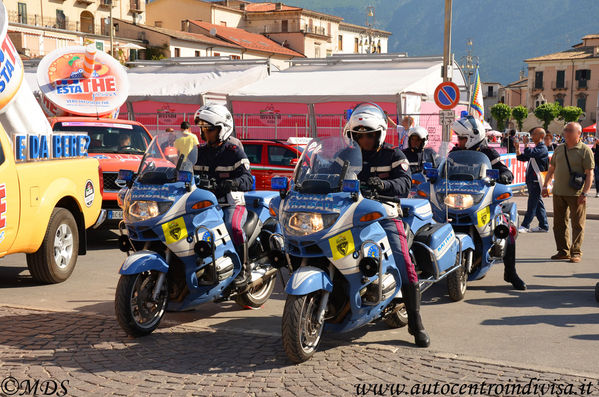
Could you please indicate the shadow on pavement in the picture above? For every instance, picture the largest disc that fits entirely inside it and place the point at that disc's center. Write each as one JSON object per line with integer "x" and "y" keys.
{"x": 11, "y": 277}
{"x": 102, "y": 239}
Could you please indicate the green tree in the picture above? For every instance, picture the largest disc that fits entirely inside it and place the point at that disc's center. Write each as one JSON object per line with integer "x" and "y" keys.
{"x": 519, "y": 113}
{"x": 502, "y": 113}
{"x": 547, "y": 112}
{"x": 570, "y": 114}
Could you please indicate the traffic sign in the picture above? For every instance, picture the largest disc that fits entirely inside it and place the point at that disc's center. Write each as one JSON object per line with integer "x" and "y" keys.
{"x": 446, "y": 117}
{"x": 447, "y": 95}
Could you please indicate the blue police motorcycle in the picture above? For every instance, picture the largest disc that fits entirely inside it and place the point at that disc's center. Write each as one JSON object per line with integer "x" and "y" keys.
{"x": 463, "y": 191}
{"x": 180, "y": 254}
{"x": 344, "y": 274}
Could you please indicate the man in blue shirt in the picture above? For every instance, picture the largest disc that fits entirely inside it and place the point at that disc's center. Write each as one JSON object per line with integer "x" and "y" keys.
{"x": 538, "y": 161}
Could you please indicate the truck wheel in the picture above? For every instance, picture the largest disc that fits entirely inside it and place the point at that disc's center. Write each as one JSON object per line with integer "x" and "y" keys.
{"x": 55, "y": 260}
{"x": 256, "y": 297}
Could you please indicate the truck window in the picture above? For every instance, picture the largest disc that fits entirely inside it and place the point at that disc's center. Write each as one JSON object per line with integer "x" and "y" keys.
{"x": 107, "y": 137}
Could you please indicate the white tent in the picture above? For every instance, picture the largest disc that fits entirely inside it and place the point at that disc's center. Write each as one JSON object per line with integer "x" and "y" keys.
{"x": 182, "y": 80}
{"x": 354, "y": 78}
{"x": 190, "y": 83}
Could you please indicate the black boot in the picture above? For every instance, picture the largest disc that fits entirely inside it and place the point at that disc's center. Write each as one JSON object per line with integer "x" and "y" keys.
{"x": 245, "y": 274}
{"x": 510, "y": 276}
{"x": 411, "y": 296}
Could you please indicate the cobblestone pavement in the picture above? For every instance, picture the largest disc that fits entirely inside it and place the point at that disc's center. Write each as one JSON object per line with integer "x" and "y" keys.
{"x": 94, "y": 355}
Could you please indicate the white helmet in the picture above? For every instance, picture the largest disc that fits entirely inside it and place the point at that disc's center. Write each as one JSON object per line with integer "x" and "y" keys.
{"x": 420, "y": 132}
{"x": 216, "y": 115}
{"x": 366, "y": 118}
{"x": 470, "y": 128}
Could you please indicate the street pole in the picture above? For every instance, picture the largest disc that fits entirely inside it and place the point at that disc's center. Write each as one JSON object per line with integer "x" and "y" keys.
{"x": 447, "y": 60}
{"x": 111, "y": 30}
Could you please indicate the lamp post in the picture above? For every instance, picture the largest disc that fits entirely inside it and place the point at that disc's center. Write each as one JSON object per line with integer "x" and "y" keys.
{"x": 370, "y": 21}
{"x": 469, "y": 64}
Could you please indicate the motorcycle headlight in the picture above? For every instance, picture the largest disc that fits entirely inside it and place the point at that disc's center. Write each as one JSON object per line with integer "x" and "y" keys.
{"x": 459, "y": 201}
{"x": 143, "y": 210}
{"x": 305, "y": 223}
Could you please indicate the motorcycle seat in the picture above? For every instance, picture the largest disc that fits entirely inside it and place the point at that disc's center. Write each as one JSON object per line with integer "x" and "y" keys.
{"x": 250, "y": 224}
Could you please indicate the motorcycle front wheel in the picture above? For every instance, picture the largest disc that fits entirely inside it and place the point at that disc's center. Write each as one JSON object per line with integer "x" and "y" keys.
{"x": 256, "y": 297}
{"x": 300, "y": 329}
{"x": 456, "y": 282}
{"x": 135, "y": 311}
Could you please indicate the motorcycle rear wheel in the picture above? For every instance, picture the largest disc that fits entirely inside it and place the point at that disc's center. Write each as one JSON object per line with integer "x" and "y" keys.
{"x": 397, "y": 319}
{"x": 256, "y": 297}
{"x": 301, "y": 333}
{"x": 135, "y": 312}
{"x": 597, "y": 292}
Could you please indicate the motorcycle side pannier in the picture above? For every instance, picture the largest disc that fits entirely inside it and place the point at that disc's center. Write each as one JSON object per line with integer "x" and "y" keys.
{"x": 441, "y": 240}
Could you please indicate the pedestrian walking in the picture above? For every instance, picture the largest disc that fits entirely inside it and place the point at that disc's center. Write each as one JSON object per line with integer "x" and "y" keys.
{"x": 512, "y": 142}
{"x": 572, "y": 164}
{"x": 549, "y": 142}
{"x": 538, "y": 162}
{"x": 596, "y": 157}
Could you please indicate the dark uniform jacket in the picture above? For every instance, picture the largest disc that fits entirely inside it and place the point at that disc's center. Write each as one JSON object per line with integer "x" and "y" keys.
{"x": 417, "y": 157}
{"x": 391, "y": 165}
{"x": 225, "y": 162}
{"x": 541, "y": 156}
{"x": 505, "y": 175}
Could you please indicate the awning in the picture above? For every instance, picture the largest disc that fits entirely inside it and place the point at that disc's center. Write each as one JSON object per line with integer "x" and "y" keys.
{"x": 350, "y": 80}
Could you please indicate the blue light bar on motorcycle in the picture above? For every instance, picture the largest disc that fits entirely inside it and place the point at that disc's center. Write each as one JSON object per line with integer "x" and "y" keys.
{"x": 278, "y": 183}
{"x": 126, "y": 175}
{"x": 351, "y": 186}
{"x": 493, "y": 174}
{"x": 185, "y": 176}
{"x": 427, "y": 165}
{"x": 431, "y": 173}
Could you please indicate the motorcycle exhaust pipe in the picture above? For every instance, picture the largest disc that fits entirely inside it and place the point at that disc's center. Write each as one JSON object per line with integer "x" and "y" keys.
{"x": 267, "y": 276}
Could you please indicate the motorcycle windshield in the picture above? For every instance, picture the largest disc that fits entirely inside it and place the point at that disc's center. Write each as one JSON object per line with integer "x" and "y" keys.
{"x": 168, "y": 153}
{"x": 466, "y": 165}
{"x": 326, "y": 163}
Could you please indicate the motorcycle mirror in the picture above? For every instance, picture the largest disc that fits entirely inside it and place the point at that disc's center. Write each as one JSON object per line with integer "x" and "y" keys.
{"x": 427, "y": 165}
{"x": 278, "y": 183}
{"x": 351, "y": 186}
{"x": 185, "y": 176}
{"x": 431, "y": 173}
{"x": 126, "y": 175}
{"x": 493, "y": 174}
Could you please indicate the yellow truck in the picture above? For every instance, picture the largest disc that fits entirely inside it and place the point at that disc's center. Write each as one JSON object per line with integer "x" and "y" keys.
{"x": 49, "y": 191}
{"x": 45, "y": 208}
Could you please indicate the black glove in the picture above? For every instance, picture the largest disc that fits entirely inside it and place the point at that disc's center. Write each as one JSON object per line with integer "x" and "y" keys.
{"x": 377, "y": 183}
{"x": 226, "y": 186}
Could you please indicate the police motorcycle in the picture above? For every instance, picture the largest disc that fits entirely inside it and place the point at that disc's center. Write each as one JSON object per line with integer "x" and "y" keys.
{"x": 343, "y": 272}
{"x": 464, "y": 191}
{"x": 180, "y": 254}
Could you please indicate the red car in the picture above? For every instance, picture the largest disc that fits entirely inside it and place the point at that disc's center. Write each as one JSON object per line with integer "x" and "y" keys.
{"x": 117, "y": 144}
{"x": 269, "y": 158}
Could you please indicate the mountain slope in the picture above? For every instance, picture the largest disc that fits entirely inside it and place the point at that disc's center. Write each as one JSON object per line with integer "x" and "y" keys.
{"x": 504, "y": 32}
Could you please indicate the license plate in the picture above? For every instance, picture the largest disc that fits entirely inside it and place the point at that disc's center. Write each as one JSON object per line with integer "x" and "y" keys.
{"x": 115, "y": 214}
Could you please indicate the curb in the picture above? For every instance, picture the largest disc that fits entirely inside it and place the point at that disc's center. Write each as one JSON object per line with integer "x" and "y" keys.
{"x": 550, "y": 214}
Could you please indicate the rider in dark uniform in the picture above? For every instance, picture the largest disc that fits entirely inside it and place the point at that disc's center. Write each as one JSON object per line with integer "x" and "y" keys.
{"x": 386, "y": 170}
{"x": 416, "y": 153}
{"x": 224, "y": 161}
{"x": 471, "y": 136}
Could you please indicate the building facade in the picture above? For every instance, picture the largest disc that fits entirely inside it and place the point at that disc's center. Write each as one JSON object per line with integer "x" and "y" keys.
{"x": 39, "y": 27}
{"x": 570, "y": 78}
{"x": 492, "y": 95}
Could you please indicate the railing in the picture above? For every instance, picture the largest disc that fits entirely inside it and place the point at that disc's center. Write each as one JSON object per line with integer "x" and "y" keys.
{"x": 55, "y": 23}
{"x": 562, "y": 86}
{"x": 583, "y": 84}
{"x": 277, "y": 125}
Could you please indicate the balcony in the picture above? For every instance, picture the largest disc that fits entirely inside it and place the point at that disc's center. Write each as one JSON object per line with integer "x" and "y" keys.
{"x": 135, "y": 7}
{"x": 107, "y": 3}
{"x": 538, "y": 87}
{"x": 35, "y": 20}
{"x": 85, "y": 2}
{"x": 583, "y": 84}
{"x": 561, "y": 86}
